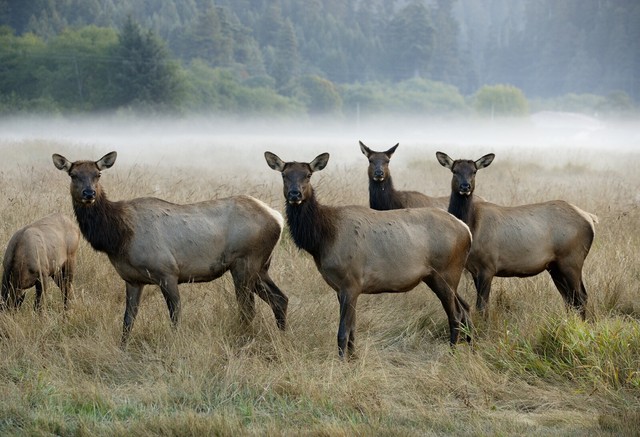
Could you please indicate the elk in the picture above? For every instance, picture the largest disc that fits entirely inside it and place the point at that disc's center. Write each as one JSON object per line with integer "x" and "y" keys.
{"x": 359, "y": 250}
{"x": 152, "y": 241}
{"x": 382, "y": 194}
{"x": 520, "y": 241}
{"x": 45, "y": 248}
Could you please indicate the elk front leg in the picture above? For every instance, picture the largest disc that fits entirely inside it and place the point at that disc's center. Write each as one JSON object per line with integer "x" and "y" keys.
{"x": 133, "y": 291}
{"x": 346, "y": 327}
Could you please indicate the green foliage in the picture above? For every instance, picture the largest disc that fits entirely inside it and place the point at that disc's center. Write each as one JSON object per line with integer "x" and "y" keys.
{"x": 80, "y": 66}
{"x": 319, "y": 95}
{"x": 218, "y": 90}
{"x": 57, "y": 55}
{"x": 605, "y": 353}
{"x": 144, "y": 74}
{"x": 500, "y": 100}
{"x": 413, "y": 96}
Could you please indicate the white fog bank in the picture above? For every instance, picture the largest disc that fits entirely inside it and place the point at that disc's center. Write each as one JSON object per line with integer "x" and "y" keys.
{"x": 201, "y": 140}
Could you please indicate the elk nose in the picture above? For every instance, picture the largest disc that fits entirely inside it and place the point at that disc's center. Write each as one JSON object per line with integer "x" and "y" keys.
{"x": 88, "y": 194}
{"x": 378, "y": 175}
{"x": 294, "y": 196}
{"x": 465, "y": 188}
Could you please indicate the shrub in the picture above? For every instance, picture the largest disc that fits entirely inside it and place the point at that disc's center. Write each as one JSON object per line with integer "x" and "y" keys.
{"x": 500, "y": 100}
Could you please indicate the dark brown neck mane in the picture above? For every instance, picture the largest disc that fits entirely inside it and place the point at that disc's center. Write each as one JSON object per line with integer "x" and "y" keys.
{"x": 462, "y": 207}
{"x": 311, "y": 225}
{"x": 382, "y": 195}
{"x": 104, "y": 224}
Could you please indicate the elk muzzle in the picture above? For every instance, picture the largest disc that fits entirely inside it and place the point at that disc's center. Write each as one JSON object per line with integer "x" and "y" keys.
{"x": 378, "y": 175}
{"x": 294, "y": 197}
{"x": 464, "y": 189}
{"x": 88, "y": 196}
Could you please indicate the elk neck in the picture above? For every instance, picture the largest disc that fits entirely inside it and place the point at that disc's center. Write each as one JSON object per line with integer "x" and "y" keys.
{"x": 462, "y": 207}
{"x": 312, "y": 226}
{"x": 383, "y": 196}
{"x": 104, "y": 224}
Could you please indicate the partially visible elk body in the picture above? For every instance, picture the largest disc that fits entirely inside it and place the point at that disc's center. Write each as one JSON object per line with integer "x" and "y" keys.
{"x": 151, "y": 241}
{"x": 523, "y": 240}
{"x": 382, "y": 194}
{"x": 45, "y": 248}
{"x": 359, "y": 250}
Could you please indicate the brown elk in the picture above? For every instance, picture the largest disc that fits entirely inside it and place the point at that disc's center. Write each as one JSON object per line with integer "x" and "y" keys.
{"x": 151, "y": 241}
{"x": 359, "y": 250}
{"x": 523, "y": 240}
{"x": 383, "y": 195}
{"x": 45, "y": 248}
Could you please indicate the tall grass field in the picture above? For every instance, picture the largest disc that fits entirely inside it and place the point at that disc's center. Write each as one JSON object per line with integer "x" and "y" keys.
{"x": 534, "y": 368}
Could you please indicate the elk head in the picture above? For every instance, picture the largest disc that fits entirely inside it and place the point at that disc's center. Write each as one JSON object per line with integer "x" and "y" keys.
{"x": 378, "y": 162}
{"x": 464, "y": 171}
{"x": 85, "y": 176}
{"x": 296, "y": 176}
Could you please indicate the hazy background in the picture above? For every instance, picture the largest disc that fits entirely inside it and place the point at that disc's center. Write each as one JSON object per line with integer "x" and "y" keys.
{"x": 210, "y": 82}
{"x": 349, "y": 59}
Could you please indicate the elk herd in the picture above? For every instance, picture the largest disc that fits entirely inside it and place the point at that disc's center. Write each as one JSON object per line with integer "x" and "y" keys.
{"x": 402, "y": 238}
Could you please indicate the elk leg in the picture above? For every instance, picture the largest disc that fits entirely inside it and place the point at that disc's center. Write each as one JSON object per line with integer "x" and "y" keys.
{"x": 346, "y": 327}
{"x": 37, "y": 304}
{"x": 244, "y": 295}
{"x": 18, "y": 298}
{"x": 67, "y": 279}
{"x": 169, "y": 288}
{"x": 268, "y": 291}
{"x": 571, "y": 287}
{"x": 453, "y": 305}
{"x": 63, "y": 280}
{"x": 483, "y": 288}
{"x": 133, "y": 291}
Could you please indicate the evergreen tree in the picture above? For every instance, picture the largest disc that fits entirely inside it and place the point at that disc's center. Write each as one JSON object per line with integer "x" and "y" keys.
{"x": 408, "y": 42}
{"x": 144, "y": 75}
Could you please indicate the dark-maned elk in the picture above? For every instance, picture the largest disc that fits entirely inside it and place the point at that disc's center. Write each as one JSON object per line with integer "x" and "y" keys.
{"x": 45, "y": 248}
{"x": 359, "y": 250}
{"x": 523, "y": 240}
{"x": 382, "y": 194}
{"x": 151, "y": 241}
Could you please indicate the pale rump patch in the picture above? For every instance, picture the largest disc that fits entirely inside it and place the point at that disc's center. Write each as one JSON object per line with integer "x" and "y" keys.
{"x": 275, "y": 214}
{"x": 591, "y": 218}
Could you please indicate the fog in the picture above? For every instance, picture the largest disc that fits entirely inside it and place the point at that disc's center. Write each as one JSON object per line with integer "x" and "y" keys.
{"x": 546, "y": 137}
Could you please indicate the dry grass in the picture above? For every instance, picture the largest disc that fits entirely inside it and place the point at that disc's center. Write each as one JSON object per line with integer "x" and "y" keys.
{"x": 535, "y": 369}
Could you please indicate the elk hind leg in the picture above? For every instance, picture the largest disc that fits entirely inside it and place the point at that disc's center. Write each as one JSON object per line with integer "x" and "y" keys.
{"x": 169, "y": 288}
{"x": 483, "y": 288}
{"x": 568, "y": 281}
{"x": 245, "y": 283}
{"x": 454, "y": 306}
{"x": 268, "y": 291}
{"x": 40, "y": 290}
{"x": 64, "y": 280}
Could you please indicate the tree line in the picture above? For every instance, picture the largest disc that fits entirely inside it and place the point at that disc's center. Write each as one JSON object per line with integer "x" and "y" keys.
{"x": 317, "y": 56}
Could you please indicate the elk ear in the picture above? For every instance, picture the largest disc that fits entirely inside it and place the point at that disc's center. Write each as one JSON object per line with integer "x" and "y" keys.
{"x": 364, "y": 149}
{"x": 319, "y": 162}
{"x": 485, "y": 161}
{"x": 61, "y": 162}
{"x": 444, "y": 160}
{"x": 273, "y": 161}
{"x": 391, "y": 150}
{"x": 106, "y": 161}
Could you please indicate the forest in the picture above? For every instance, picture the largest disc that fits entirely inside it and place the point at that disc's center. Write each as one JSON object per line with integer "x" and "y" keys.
{"x": 320, "y": 56}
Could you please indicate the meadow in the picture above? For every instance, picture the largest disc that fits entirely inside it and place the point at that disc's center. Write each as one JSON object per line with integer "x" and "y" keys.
{"x": 534, "y": 368}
